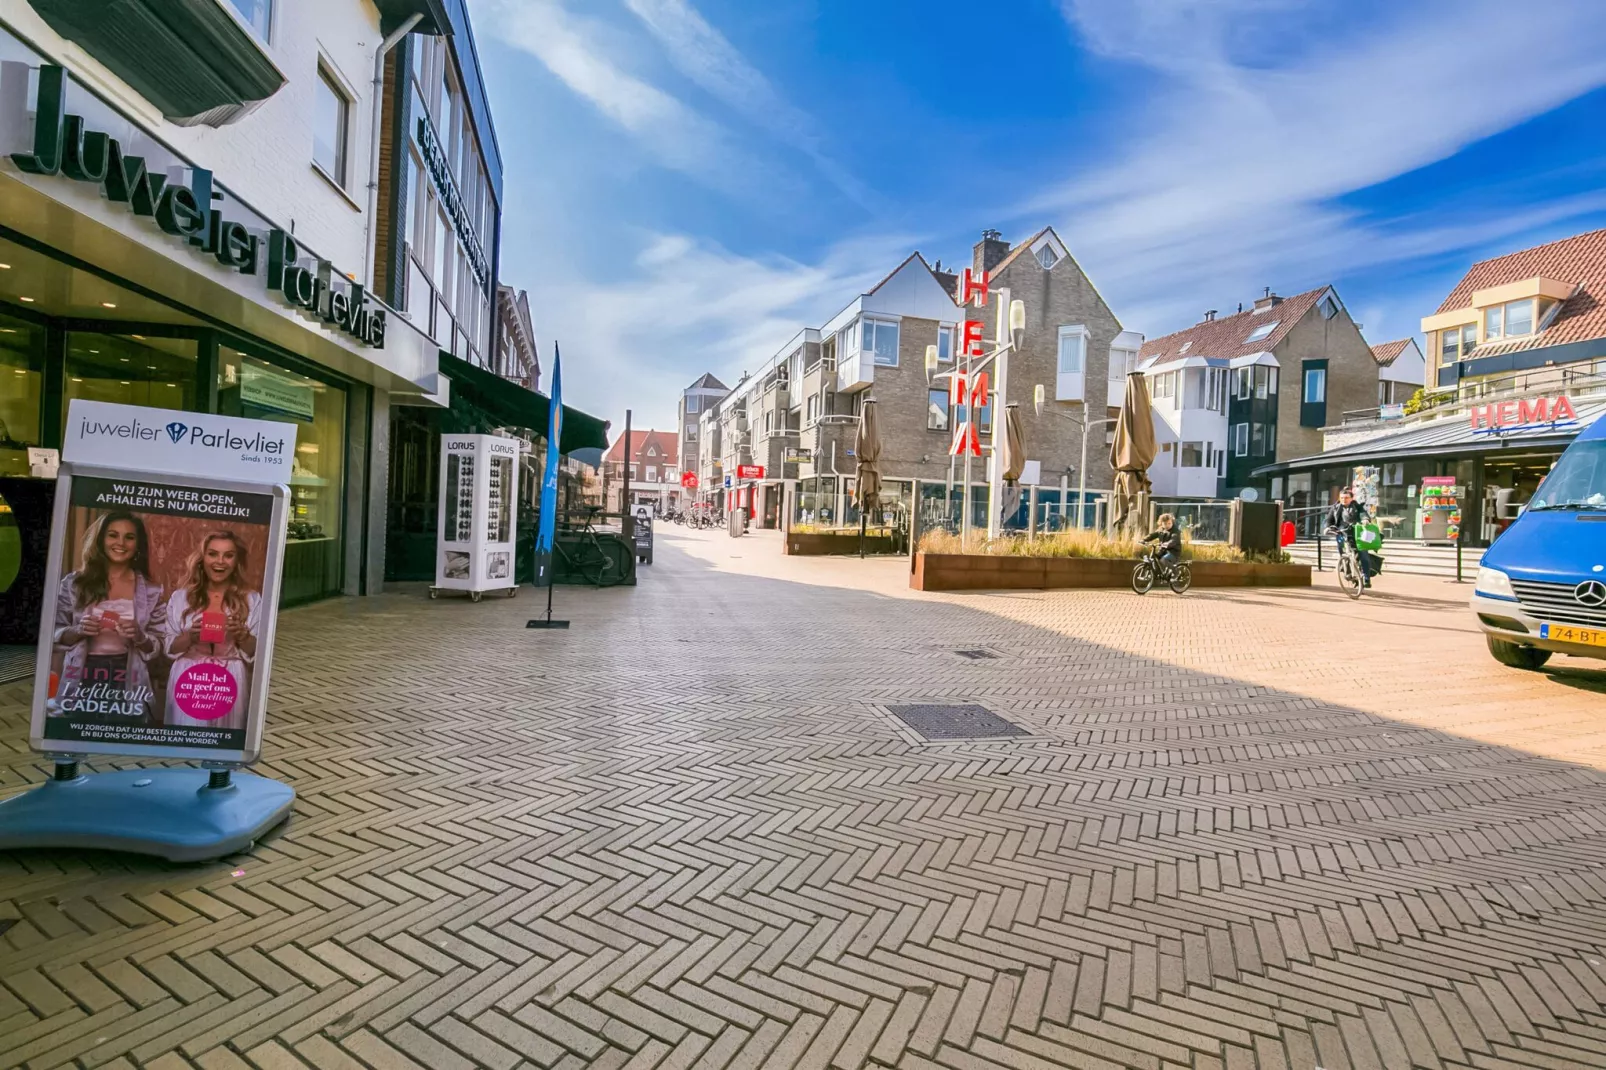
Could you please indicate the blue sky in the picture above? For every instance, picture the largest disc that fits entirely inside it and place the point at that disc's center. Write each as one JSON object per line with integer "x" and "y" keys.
{"x": 689, "y": 182}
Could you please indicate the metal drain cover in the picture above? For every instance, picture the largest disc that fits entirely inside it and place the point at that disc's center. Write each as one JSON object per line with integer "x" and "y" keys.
{"x": 976, "y": 655}
{"x": 956, "y": 722}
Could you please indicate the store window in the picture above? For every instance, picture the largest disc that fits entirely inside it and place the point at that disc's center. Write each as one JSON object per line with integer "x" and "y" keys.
{"x": 130, "y": 369}
{"x": 22, "y": 363}
{"x": 249, "y": 387}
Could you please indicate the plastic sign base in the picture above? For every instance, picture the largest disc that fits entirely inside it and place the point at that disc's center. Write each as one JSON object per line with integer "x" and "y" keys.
{"x": 170, "y": 813}
{"x": 547, "y": 623}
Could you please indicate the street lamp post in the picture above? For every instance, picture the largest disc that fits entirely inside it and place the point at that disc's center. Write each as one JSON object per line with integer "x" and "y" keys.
{"x": 1038, "y": 397}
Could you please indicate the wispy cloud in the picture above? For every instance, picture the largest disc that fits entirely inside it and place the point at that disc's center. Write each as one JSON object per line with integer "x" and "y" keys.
{"x": 706, "y": 56}
{"x": 1263, "y": 113}
{"x": 582, "y": 53}
{"x": 688, "y": 307}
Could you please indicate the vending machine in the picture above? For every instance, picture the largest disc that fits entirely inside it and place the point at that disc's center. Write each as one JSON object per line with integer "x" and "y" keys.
{"x": 479, "y": 500}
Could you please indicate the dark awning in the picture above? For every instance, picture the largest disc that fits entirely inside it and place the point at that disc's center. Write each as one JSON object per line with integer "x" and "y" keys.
{"x": 191, "y": 58}
{"x": 513, "y": 406}
{"x": 1451, "y": 436}
{"x": 435, "y": 21}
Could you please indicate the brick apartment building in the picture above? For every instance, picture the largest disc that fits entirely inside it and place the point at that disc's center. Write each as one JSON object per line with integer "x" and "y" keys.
{"x": 654, "y": 472}
{"x": 696, "y": 399}
{"x": 796, "y": 417}
{"x": 1232, "y": 394}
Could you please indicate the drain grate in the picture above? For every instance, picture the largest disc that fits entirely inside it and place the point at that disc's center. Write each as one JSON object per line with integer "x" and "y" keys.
{"x": 977, "y": 655}
{"x": 956, "y": 722}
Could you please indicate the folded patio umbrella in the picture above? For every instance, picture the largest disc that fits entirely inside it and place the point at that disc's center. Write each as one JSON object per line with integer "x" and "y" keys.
{"x": 1133, "y": 449}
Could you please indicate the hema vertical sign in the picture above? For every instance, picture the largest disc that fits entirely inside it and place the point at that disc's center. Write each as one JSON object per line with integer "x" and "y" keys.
{"x": 178, "y": 443}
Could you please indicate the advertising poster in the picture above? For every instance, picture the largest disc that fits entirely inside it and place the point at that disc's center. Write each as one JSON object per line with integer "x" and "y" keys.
{"x": 161, "y": 593}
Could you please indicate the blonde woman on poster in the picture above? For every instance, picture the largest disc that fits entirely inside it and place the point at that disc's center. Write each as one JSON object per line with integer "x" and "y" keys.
{"x": 109, "y": 616}
{"x": 212, "y": 624}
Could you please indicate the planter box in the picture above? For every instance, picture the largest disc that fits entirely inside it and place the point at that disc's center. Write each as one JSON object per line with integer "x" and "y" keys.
{"x": 821, "y": 543}
{"x": 981, "y": 572}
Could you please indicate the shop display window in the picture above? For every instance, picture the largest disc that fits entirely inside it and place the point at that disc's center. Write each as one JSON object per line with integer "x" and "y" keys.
{"x": 254, "y": 388}
{"x": 22, "y": 363}
{"x": 130, "y": 369}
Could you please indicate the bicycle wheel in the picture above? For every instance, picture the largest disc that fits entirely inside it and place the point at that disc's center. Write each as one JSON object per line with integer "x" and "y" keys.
{"x": 1181, "y": 579}
{"x": 1349, "y": 576}
{"x": 1143, "y": 578}
{"x": 616, "y": 561}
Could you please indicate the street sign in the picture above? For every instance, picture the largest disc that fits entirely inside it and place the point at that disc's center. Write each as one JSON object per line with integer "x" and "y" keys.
{"x": 749, "y": 471}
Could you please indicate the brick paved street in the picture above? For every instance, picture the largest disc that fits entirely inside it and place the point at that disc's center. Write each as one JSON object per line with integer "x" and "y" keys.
{"x": 1270, "y": 829}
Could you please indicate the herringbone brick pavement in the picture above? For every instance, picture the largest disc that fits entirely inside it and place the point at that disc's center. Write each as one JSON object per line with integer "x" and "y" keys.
{"x": 1246, "y": 830}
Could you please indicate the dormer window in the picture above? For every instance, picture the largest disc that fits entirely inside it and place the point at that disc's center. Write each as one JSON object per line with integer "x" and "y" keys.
{"x": 1185, "y": 347}
{"x": 1263, "y": 331}
{"x": 1510, "y": 320}
{"x": 1047, "y": 257}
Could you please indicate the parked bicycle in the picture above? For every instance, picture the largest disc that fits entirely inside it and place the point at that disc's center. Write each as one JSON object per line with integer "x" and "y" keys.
{"x": 600, "y": 563}
{"x": 1351, "y": 577}
{"x": 1153, "y": 569}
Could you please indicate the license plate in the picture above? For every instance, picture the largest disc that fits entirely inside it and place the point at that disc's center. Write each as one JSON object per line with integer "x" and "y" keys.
{"x": 1568, "y": 633}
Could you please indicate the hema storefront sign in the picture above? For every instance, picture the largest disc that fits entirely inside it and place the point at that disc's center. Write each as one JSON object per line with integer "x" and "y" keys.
{"x": 164, "y": 440}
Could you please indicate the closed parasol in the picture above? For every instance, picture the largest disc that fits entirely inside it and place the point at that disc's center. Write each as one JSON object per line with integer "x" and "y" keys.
{"x": 867, "y": 451}
{"x": 1133, "y": 449}
{"x": 1013, "y": 461}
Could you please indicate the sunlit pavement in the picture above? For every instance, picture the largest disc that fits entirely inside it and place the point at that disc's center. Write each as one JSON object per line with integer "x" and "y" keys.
{"x": 1262, "y": 828}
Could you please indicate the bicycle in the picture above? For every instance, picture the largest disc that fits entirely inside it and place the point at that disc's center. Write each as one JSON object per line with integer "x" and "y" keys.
{"x": 1351, "y": 577}
{"x": 601, "y": 564}
{"x": 1152, "y": 569}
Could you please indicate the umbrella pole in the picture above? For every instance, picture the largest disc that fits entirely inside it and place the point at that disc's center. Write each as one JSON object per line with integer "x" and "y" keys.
{"x": 862, "y": 518}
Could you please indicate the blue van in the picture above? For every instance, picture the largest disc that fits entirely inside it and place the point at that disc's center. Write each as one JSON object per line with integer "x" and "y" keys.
{"x": 1542, "y": 587}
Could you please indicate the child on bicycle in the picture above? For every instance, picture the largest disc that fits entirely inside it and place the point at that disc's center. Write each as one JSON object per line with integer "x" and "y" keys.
{"x": 1168, "y": 538}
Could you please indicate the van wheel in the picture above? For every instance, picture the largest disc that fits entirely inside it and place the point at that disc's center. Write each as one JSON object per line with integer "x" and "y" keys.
{"x": 1516, "y": 655}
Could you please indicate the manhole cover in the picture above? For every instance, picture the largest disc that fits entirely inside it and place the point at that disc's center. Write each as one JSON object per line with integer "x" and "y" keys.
{"x": 955, "y": 722}
{"x": 976, "y": 655}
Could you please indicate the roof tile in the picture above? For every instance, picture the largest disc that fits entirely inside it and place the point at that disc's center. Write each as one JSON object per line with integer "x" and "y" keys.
{"x": 1227, "y": 337}
{"x": 1580, "y": 259}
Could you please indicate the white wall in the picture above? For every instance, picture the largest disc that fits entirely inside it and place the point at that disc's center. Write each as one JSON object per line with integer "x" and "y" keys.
{"x": 1409, "y": 367}
{"x": 266, "y": 157}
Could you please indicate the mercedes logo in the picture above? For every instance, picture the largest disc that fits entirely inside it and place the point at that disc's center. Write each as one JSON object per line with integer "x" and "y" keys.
{"x": 1590, "y": 593}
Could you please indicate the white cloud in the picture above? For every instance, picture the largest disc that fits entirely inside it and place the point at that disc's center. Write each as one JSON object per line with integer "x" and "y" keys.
{"x": 703, "y": 54}
{"x": 582, "y": 54}
{"x": 1262, "y": 113}
{"x": 690, "y": 307}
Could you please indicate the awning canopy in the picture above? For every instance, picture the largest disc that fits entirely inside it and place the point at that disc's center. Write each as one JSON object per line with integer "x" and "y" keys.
{"x": 1447, "y": 437}
{"x": 511, "y": 405}
{"x": 193, "y": 59}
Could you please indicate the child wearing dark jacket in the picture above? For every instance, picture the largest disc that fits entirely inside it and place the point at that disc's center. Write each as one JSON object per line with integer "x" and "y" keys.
{"x": 1169, "y": 537}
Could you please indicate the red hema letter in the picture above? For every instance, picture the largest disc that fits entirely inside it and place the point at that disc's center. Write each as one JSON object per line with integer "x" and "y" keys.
{"x": 973, "y": 291}
{"x": 970, "y": 343}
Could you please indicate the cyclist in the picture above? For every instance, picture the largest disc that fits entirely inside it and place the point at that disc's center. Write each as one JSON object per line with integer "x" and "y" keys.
{"x": 1342, "y": 520}
{"x": 1169, "y": 539}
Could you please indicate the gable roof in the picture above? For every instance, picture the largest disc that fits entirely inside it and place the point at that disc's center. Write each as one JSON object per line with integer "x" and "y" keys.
{"x": 1386, "y": 353}
{"x": 1015, "y": 253}
{"x": 1580, "y": 259}
{"x": 1227, "y": 336}
{"x": 666, "y": 444}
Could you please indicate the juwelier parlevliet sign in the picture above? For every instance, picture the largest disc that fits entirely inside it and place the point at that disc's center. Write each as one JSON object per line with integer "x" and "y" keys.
{"x": 180, "y": 443}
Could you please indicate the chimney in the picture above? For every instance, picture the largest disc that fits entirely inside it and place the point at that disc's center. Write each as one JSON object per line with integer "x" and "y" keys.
{"x": 1267, "y": 301}
{"x": 990, "y": 251}
{"x": 1210, "y": 315}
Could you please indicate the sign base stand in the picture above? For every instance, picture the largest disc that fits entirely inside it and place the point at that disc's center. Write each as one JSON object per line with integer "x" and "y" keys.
{"x": 182, "y": 815}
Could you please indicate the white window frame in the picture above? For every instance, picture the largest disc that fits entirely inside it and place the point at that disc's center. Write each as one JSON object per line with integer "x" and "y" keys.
{"x": 1321, "y": 381}
{"x": 652, "y": 473}
{"x": 868, "y": 325}
{"x": 1243, "y": 383}
{"x": 1123, "y": 362}
{"x": 1199, "y": 450}
{"x": 329, "y": 76}
{"x": 1046, "y": 256}
{"x": 947, "y": 409}
{"x": 1240, "y": 440}
{"x": 692, "y": 401}
{"x": 945, "y": 333}
{"x": 1070, "y": 385}
{"x": 1328, "y": 306}
{"x": 1505, "y": 317}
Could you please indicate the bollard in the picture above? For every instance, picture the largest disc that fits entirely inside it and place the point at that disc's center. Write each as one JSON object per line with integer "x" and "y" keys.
{"x": 1319, "y": 541}
{"x": 1458, "y": 578}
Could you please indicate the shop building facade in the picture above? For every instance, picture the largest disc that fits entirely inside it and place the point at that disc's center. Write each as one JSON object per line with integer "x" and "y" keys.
{"x": 1517, "y": 368}
{"x": 179, "y": 244}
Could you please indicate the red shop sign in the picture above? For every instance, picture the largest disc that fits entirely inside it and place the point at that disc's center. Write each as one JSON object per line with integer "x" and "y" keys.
{"x": 1528, "y": 412}
{"x": 749, "y": 471}
{"x": 688, "y": 480}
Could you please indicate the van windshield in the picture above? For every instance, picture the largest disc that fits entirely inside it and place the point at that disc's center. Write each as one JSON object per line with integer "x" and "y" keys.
{"x": 1577, "y": 482}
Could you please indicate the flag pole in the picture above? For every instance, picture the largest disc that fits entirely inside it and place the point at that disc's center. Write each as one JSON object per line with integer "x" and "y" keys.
{"x": 546, "y": 532}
